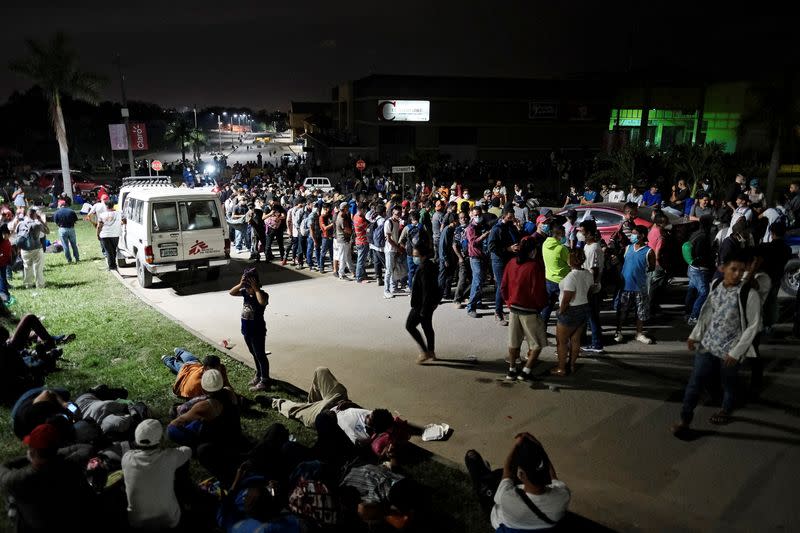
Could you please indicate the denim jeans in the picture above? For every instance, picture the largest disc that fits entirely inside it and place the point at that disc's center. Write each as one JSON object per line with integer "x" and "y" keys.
{"x": 302, "y": 245}
{"x": 325, "y": 249}
{"x": 412, "y": 269}
{"x": 276, "y": 236}
{"x": 594, "y": 319}
{"x": 388, "y": 283}
{"x": 181, "y": 357}
{"x": 707, "y": 365}
{"x": 498, "y": 266}
{"x": 476, "y": 264}
{"x": 312, "y": 251}
{"x": 69, "y": 240}
{"x": 447, "y": 266}
{"x": 379, "y": 261}
{"x": 552, "y": 298}
{"x": 361, "y": 261}
{"x": 464, "y": 281}
{"x": 4, "y": 284}
{"x": 697, "y": 292}
{"x": 257, "y": 346}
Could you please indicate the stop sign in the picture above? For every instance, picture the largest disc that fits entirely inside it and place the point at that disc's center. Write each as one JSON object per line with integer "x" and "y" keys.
{"x": 361, "y": 165}
{"x": 156, "y": 165}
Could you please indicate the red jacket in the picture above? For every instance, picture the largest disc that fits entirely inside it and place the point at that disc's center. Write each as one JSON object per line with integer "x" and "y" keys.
{"x": 523, "y": 285}
{"x": 6, "y": 254}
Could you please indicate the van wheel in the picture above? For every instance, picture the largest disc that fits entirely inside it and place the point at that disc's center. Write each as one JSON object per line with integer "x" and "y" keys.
{"x": 213, "y": 274}
{"x": 143, "y": 275}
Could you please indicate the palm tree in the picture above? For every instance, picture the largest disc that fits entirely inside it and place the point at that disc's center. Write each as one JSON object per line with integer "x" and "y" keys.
{"x": 53, "y": 66}
{"x": 699, "y": 161}
{"x": 197, "y": 140}
{"x": 179, "y": 131}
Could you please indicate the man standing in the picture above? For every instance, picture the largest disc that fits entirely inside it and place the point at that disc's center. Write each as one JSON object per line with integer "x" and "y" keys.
{"x": 700, "y": 269}
{"x": 30, "y": 233}
{"x": 344, "y": 239}
{"x": 294, "y": 221}
{"x": 377, "y": 240}
{"x": 437, "y": 226}
{"x": 109, "y": 228}
{"x": 461, "y": 250}
{"x": 392, "y": 248}
{"x": 476, "y": 233}
{"x": 65, "y": 218}
{"x": 94, "y": 213}
{"x": 326, "y": 233}
{"x": 413, "y": 234}
{"x": 425, "y": 297}
{"x": 556, "y": 267}
{"x": 502, "y": 244}
{"x": 448, "y": 261}
{"x": 360, "y": 225}
{"x": 657, "y": 279}
{"x": 639, "y": 259}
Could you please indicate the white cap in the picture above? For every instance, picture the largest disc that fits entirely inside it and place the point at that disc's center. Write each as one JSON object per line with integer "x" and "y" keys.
{"x": 211, "y": 380}
{"x": 149, "y": 432}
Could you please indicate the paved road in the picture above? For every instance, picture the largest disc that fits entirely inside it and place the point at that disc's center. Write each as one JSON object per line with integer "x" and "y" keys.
{"x": 606, "y": 428}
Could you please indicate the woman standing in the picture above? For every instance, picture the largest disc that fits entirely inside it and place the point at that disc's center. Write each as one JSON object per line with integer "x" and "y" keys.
{"x": 572, "y": 312}
{"x": 254, "y": 328}
{"x": 109, "y": 228}
{"x": 425, "y": 297}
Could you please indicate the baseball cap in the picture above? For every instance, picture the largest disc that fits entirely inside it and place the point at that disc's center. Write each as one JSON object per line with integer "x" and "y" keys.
{"x": 343, "y": 205}
{"x": 487, "y": 191}
{"x": 211, "y": 380}
{"x": 43, "y": 437}
{"x": 405, "y": 203}
{"x": 148, "y": 432}
{"x": 540, "y": 219}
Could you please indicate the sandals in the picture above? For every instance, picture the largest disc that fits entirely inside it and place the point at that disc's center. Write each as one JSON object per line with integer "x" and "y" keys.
{"x": 720, "y": 418}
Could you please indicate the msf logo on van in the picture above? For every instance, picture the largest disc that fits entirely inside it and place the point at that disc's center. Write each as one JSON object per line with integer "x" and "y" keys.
{"x": 197, "y": 247}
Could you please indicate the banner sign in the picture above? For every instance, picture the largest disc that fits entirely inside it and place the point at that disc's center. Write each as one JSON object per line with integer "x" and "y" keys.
{"x": 116, "y": 132}
{"x": 404, "y": 110}
{"x": 138, "y": 133}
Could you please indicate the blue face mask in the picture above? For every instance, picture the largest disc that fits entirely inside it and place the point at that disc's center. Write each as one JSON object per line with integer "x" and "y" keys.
{"x": 634, "y": 239}
{"x": 564, "y": 240}
{"x": 417, "y": 260}
{"x": 545, "y": 229}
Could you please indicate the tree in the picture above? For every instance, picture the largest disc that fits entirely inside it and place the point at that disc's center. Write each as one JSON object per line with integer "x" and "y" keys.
{"x": 179, "y": 130}
{"x": 53, "y": 66}
{"x": 699, "y": 162}
{"x": 197, "y": 141}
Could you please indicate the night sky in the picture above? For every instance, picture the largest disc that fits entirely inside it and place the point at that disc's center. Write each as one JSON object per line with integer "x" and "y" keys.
{"x": 263, "y": 54}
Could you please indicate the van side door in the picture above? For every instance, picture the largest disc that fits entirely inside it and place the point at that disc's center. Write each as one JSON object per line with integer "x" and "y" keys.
{"x": 165, "y": 232}
{"x": 203, "y": 231}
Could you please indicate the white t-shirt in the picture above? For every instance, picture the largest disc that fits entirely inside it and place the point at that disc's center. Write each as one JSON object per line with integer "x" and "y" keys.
{"x": 637, "y": 199}
{"x": 616, "y": 196}
{"x": 353, "y": 422}
{"x": 595, "y": 257}
{"x": 579, "y": 281}
{"x": 511, "y": 511}
{"x": 98, "y": 209}
{"x": 112, "y": 224}
{"x": 771, "y": 215}
{"x": 391, "y": 228}
{"x": 150, "y": 485}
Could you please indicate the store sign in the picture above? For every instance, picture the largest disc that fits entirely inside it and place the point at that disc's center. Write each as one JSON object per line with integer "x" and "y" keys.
{"x": 542, "y": 110}
{"x": 116, "y": 132}
{"x": 138, "y": 133}
{"x": 404, "y": 110}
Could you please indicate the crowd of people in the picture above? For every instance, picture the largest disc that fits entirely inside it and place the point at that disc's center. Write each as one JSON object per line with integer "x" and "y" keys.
{"x": 437, "y": 243}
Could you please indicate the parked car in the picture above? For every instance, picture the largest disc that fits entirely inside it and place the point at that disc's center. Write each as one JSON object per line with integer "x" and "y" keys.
{"x": 791, "y": 273}
{"x": 609, "y": 216}
{"x": 80, "y": 183}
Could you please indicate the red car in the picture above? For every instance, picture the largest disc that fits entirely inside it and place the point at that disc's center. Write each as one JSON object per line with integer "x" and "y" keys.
{"x": 80, "y": 184}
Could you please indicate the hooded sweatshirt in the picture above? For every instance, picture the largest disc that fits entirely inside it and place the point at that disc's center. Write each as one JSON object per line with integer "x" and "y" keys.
{"x": 556, "y": 260}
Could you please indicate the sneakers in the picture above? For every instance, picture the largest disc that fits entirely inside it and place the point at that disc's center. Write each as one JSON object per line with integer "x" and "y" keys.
{"x": 345, "y": 277}
{"x": 472, "y": 314}
{"x": 512, "y": 375}
{"x": 618, "y": 337}
{"x": 525, "y": 376}
{"x": 592, "y": 349}
{"x": 388, "y": 295}
{"x": 164, "y": 358}
{"x": 260, "y": 386}
{"x": 644, "y": 339}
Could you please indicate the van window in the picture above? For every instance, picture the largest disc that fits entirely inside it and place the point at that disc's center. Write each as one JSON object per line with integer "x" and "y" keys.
{"x": 165, "y": 217}
{"x": 138, "y": 206}
{"x": 199, "y": 214}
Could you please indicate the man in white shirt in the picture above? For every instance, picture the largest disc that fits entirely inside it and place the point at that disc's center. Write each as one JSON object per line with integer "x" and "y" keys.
{"x": 635, "y": 197}
{"x": 109, "y": 229}
{"x": 94, "y": 214}
{"x": 616, "y": 195}
{"x": 149, "y": 474}
{"x": 391, "y": 230}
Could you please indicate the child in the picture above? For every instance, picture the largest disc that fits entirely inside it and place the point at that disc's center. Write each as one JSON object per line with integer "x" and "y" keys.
{"x": 727, "y": 325}
{"x": 6, "y": 260}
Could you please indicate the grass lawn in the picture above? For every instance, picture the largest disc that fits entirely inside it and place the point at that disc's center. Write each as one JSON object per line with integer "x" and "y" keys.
{"x": 120, "y": 341}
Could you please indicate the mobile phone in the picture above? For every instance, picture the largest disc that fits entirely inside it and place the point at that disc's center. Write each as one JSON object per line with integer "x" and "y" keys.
{"x": 72, "y": 408}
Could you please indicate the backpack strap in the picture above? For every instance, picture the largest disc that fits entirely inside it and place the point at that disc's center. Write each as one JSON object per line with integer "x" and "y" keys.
{"x": 532, "y": 506}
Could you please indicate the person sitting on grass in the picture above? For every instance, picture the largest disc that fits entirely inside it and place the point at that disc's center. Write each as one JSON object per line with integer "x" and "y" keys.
{"x": 190, "y": 372}
{"x": 721, "y": 340}
{"x": 526, "y": 495}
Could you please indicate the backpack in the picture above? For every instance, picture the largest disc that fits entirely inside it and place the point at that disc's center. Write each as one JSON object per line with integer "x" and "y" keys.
{"x": 378, "y": 236}
{"x": 371, "y": 231}
{"x": 26, "y": 239}
{"x": 413, "y": 237}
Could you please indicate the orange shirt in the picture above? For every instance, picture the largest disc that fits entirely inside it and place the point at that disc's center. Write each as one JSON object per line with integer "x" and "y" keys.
{"x": 187, "y": 384}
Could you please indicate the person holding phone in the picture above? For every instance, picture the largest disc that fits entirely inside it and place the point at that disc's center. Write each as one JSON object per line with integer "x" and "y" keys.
{"x": 254, "y": 328}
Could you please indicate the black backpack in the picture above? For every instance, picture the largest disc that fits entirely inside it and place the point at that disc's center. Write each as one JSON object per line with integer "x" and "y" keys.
{"x": 414, "y": 231}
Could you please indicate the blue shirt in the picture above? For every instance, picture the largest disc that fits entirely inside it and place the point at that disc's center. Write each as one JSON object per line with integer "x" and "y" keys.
{"x": 590, "y": 196}
{"x": 634, "y": 269}
{"x": 651, "y": 199}
{"x": 64, "y": 217}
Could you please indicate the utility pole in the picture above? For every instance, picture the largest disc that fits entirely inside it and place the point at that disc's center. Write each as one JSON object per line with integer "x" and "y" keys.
{"x": 126, "y": 116}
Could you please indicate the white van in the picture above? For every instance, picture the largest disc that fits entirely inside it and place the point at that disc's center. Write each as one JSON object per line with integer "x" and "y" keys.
{"x": 169, "y": 230}
{"x": 320, "y": 183}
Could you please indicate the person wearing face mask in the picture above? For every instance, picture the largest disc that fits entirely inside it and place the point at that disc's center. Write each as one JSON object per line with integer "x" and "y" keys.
{"x": 556, "y": 267}
{"x": 476, "y": 233}
{"x": 502, "y": 244}
{"x": 639, "y": 259}
{"x": 460, "y": 248}
{"x": 425, "y": 297}
{"x": 594, "y": 263}
{"x": 465, "y": 199}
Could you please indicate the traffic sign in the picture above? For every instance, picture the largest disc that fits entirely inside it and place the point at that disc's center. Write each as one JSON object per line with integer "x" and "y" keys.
{"x": 156, "y": 165}
{"x": 402, "y": 170}
{"x": 361, "y": 165}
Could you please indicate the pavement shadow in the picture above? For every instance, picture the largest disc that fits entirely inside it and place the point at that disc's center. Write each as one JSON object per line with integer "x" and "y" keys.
{"x": 270, "y": 273}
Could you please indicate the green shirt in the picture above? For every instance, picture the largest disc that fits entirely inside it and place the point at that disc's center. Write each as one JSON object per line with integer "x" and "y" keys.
{"x": 556, "y": 260}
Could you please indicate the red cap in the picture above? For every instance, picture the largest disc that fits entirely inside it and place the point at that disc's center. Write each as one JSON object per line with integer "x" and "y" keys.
{"x": 43, "y": 437}
{"x": 406, "y": 203}
{"x": 540, "y": 219}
